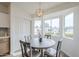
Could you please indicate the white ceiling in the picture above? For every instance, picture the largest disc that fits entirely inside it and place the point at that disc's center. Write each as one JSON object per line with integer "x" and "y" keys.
{"x": 34, "y": 5}
{"x": 30, "y": 7}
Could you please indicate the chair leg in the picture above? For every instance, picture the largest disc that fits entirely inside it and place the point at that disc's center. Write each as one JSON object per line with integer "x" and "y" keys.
{"x": 59, "y": 53}
{"x": 31, "y": 52}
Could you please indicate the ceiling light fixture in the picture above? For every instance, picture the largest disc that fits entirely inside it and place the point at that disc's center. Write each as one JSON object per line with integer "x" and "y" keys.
{"x": 39, "y": 11}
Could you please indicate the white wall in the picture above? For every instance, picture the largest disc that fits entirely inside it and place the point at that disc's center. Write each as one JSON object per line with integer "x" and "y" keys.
{"x": 69, "y": 46}
{"x": 19, "y": 27}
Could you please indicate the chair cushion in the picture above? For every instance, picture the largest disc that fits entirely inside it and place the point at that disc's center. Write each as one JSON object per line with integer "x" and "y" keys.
{"x": 51, "y": 52}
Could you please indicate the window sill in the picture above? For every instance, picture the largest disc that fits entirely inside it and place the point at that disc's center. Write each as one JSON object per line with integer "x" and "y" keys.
{"x": 55, "y": 35}
{"x": 67, "y": 38}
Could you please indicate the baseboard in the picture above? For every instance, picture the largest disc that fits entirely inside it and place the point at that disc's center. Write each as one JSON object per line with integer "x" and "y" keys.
{"x": 65, "y": 54}
{"x": 17, "y": 53}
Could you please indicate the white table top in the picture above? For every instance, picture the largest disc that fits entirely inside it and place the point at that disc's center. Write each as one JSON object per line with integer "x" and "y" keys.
{"x": 46, "y": 43}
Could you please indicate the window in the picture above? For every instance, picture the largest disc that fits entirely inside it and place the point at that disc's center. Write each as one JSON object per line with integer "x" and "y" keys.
{"x": 55, "y": 26}
{"x": 47, "y": 27}
{"x": 37, "y": 27}
{"x": 68, "y": 29}
{"x": 51, "y": 27}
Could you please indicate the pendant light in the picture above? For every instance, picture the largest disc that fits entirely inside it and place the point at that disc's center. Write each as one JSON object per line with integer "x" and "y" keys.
{"x": 39, "y": 11}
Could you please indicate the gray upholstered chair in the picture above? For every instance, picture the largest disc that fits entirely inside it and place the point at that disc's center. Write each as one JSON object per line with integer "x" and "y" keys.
{"x": 26, "y": 51}
{"x": 54, "y": 52}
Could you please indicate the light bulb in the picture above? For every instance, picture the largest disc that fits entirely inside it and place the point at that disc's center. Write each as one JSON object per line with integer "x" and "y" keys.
{"x": 39, "y": 12}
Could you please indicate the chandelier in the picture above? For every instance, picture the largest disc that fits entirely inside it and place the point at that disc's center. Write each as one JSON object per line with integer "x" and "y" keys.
{"x": 39, "y": 11}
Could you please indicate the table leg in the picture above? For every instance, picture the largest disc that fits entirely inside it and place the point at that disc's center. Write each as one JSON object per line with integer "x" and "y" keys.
{"x": 31, "y": 51}
{"x": 42, "y": 52}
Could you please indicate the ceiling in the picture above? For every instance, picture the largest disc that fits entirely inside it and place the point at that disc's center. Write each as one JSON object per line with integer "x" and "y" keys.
{"x": 35, "y": 5}
{"x": 30, "y": 7}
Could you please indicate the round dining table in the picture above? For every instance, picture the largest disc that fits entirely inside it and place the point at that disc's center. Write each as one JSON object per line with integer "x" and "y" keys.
{"x": 44, "y": 44}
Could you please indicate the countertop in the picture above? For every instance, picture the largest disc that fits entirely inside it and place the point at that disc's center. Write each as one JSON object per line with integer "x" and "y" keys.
{"x": 4, "y": 37}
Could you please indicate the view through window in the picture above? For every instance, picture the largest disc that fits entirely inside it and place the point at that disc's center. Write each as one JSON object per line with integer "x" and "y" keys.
{"x": 55, "y": 26}
{"x": 68, "y": 29}
{"x": 51, "y": 27}
{"x": 47, "y": 28}
{"x": 37, "y": 27}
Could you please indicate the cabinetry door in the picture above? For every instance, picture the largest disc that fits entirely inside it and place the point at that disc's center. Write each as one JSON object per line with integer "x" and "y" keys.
{"x": 4, "y": 46}
{"x": 4, "y": 20}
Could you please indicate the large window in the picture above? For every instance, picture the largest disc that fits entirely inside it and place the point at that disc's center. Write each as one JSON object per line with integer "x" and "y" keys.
{"x": 55, "y": 26}
{"x": 51, "y": 27}
{"x": 47, "y": 27}
{"x": 37, "y": 27}
{"x": 68, "y": 29}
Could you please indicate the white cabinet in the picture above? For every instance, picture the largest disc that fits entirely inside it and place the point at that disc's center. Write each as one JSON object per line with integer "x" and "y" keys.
{"x": 4, "y": 20}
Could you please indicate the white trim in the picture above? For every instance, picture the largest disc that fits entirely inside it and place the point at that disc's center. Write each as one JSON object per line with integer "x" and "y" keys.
{"x": 64, "y": 25}
{"x": 16, "y": 54}
{"x": 65, "y": 37}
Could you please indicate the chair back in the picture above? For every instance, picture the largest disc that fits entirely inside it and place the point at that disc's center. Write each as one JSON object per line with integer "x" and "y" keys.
{"x": 27, "y": 40}
{"x": 58, "y": 48}
{"x": 24, "y": 48}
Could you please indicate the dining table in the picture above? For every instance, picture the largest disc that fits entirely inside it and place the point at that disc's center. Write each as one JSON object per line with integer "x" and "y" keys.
{"x": 44, "y": 44}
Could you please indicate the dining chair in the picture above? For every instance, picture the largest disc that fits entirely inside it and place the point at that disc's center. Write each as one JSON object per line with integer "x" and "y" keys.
{"x": 26, "y": 51}
{"x": 28, "y": 38}
{"x": 51, "y": 52}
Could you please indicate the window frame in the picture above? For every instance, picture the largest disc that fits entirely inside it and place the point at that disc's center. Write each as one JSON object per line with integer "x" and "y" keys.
{"x": 51, "y": 25}
{"x": 64, "y": 36}
{"x": 34, "y": 27}
{"x": 44, "y": 25}
{"x": 59, "y": 25}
